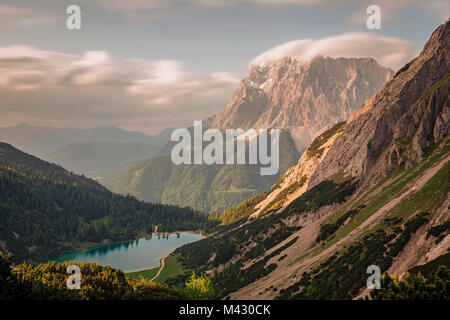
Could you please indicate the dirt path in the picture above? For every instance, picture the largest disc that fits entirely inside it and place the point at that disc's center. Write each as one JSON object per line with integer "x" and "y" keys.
{"x": 160, "y": 268}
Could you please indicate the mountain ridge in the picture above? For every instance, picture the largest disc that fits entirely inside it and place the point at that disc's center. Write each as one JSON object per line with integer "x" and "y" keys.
{"x": 41, "y": 140}
{"x": 361, "y": 206}
{"x": 209, "y": 188}
{"x": 409, "y": 103}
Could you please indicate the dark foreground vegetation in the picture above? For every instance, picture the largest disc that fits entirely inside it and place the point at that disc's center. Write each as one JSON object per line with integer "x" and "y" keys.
{"x": 48, "y": 281}
{"x": 435, "y": 286}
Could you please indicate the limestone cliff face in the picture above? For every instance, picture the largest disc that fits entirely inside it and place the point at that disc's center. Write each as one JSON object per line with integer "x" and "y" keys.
{"x": 305, "y": 98}
{"x": 408, "y": 114}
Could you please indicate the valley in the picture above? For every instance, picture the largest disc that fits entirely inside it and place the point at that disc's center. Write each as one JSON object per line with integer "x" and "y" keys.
{"x": 363, "y": 182}
{"x": 75, "y": 211}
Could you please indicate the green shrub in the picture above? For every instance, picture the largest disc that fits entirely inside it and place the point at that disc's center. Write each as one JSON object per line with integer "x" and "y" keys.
{"x": 199, "y": 287}
{"x": 414, "y": 287}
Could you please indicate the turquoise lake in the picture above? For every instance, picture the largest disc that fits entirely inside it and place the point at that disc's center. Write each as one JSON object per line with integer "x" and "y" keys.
{"x": 135, "y": 255}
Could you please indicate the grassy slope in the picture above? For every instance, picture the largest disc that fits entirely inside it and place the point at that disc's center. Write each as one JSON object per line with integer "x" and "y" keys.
{"x": 172, "y": 268}
{"x": 144, "y": 274}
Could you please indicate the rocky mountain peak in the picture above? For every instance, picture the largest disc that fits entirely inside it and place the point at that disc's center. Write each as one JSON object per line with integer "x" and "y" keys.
{"x": 303, "y": 97}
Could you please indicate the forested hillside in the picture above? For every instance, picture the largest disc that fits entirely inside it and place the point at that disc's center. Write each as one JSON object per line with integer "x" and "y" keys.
{"x": 205, "y": 187}
{"x": 46, "y": 210}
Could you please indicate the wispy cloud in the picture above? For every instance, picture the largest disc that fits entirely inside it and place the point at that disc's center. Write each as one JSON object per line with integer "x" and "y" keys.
{"x": 48, "y": 86}
{"x": 388, "y": 51}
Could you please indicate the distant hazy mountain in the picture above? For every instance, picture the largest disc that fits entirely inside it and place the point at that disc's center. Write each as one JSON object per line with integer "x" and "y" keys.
{"x": 101, "y": 153}
{"x": 41, "y": 141}
{"x": 102, "y": 161}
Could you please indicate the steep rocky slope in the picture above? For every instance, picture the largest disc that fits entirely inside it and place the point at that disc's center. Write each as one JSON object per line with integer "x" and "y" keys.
{"x": 378, "y": 138}
{"x": 407, "y": 115}
{"x": 376, "y": 192}
{"x": 296, "y": 180}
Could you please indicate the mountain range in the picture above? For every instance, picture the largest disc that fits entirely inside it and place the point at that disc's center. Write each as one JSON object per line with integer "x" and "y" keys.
{"x": 204, "y": 187}
{"x": 100, "y": 153}
{"x": 301, "y": 98}
{"x": 373, "y": 190}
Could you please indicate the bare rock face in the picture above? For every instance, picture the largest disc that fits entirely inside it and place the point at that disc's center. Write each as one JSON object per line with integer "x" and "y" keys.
{"x": 408, "y": 114}
{"x": 305, "y": 98}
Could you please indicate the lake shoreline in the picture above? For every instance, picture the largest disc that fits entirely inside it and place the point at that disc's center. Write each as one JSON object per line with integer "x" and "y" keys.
{"x": 124, "y": 261}
{"x": 88, "y": 246}
{"x": 160, "y": 263}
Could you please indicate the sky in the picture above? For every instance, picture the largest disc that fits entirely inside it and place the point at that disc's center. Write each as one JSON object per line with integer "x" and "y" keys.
{"x": 148, "y": 65}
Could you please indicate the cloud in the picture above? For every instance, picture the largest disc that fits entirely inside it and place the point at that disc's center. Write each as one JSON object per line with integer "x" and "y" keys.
{"x": 388, "y": 51}
{"x": 23, "y": 18}
{"x": 46, "y": 87}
